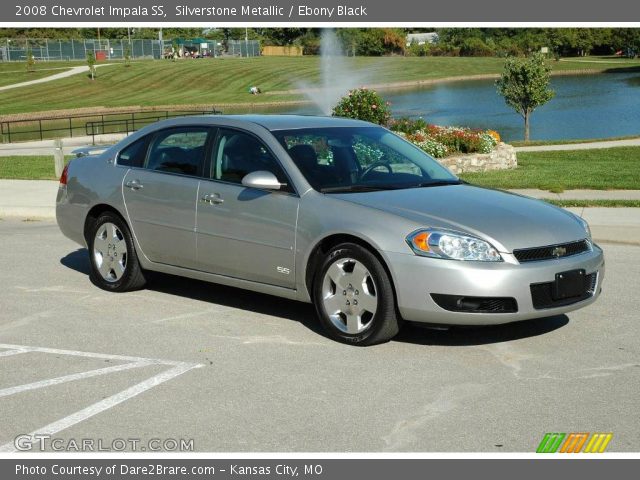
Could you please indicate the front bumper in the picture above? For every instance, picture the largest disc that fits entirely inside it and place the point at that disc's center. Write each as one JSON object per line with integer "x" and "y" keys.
{"x": 416, "y": 278}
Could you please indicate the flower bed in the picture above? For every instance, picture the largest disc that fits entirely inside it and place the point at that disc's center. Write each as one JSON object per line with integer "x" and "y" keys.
{"x": 441, "y": 142}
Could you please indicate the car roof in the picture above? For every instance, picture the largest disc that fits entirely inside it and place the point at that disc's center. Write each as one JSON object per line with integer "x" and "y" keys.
{"x": 289, "y": 122}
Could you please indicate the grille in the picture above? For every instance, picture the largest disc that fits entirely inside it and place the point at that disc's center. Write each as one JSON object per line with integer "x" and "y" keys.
{"x": 551, "y": 251}
{"x": 456, "y": 303}
{"x": 542, "y": 293}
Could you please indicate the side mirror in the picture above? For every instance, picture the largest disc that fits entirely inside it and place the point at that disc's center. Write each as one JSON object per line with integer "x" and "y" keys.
{"x": 261, "y": 179}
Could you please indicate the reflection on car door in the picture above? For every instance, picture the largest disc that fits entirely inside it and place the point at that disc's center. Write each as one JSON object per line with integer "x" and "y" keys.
{"x": 245, "y": 232}
{"x": 161, "y": 197}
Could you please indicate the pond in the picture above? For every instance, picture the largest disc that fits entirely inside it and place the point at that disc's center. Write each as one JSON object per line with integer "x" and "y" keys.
{"x": 585, "y": 106}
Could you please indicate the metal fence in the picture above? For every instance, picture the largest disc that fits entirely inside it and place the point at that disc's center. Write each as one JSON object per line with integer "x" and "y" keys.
{"x": 47, "y": 49}
{"x": 87, "y": 125}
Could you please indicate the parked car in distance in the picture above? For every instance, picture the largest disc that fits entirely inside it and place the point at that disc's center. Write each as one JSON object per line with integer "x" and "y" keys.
{"x": 338, "y": 212}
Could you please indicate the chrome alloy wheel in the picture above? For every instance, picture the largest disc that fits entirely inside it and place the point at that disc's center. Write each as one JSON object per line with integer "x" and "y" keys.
{"x": 110, "y": 252}
{"x": 349, "y": 295}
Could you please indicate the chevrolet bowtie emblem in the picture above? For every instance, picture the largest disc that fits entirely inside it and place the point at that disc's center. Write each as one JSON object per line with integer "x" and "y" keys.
{"x": 559, "y": 251}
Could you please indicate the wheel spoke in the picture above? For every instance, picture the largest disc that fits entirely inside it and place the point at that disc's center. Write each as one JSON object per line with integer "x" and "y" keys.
{"x": 105, "y": 268}
{"x": 354, "y": 323}
{"x": 337, "y": 274}
{"x": 112, "y": 232}
{"x": 367, "y": 303}
{"x": 333, "y": 304}
{"x": 358, "y": 275}
{"x": 118, "y": 269}
{"x": 100, "y": 244}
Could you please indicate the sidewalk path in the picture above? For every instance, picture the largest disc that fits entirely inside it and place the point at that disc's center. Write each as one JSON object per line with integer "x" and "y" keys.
{"x": 630, "y": 142}
{"x": 50, "y": 78}
{"x": 45, "y": 147}
{"x": 580, "y": 194}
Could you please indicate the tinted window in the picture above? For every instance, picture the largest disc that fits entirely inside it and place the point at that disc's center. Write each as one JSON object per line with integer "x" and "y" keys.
{"x": 179, "y": 150}
{"x": 238, "y": 154}
{"x": 334, "y": 159}
{"x": 134, "y": 154}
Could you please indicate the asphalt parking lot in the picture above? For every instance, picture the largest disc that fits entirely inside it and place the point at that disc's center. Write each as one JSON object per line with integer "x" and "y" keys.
{"x": 237, "y": 371}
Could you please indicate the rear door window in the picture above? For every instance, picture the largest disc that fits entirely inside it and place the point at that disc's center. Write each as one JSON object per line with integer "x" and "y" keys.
{"x": 179, "y": 150}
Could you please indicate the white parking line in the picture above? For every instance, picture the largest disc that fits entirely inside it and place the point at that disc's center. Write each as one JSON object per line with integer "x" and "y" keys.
{"x": 178, "y": 368}
{"x": 78, "y": 353}
{"x": 9, "y": 353}
{"x": 69, "y": 378}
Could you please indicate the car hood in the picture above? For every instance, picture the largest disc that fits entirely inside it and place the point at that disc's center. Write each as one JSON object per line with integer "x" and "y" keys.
{"x": 507, "y": 220}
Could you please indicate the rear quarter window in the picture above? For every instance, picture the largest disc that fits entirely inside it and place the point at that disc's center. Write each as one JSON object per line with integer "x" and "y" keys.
{"x": 134, "y": 154}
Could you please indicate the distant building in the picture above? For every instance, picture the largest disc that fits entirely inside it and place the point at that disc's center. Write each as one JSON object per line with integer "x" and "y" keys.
{"x": 422, "y": 38}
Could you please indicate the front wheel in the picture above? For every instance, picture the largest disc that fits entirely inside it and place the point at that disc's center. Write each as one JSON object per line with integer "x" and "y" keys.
{"x": 114, "y": 263}
{"x": 354, "y": 297}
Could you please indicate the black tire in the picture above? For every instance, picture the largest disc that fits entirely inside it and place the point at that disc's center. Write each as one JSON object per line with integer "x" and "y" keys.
{"x": 133, "y": 276}
{"x": 385, "y": 322}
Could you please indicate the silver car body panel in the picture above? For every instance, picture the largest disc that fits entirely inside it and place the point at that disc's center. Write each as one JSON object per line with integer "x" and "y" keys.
{"x": 263, "y": 240}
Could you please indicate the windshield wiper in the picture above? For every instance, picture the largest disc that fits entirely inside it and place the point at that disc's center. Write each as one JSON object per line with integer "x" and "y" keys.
{"x": 437, "y": 183}
{"x": 357, "y": 188}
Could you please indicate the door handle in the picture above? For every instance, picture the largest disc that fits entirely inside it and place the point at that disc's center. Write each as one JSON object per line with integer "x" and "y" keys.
{"x": 134, "y": 185}
{"x": 212, "y": 199}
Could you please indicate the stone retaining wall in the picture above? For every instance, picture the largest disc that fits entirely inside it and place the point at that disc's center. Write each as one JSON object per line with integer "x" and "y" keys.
{"x": 502, "y": 157}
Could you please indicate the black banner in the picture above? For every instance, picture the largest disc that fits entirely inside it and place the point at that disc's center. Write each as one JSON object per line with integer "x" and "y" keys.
{"x": 400, "y": 12}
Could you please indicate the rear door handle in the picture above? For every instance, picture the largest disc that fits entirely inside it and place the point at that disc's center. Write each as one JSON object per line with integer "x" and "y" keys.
{"x": 212, "y": 199}
{"x": 134, "y": 184}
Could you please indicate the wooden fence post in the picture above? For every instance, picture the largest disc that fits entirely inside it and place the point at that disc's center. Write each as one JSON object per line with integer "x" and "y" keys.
{"x": 58, "y": 157}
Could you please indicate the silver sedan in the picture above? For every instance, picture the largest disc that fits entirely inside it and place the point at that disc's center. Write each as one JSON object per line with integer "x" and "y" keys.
{"x": 341, "y": 213}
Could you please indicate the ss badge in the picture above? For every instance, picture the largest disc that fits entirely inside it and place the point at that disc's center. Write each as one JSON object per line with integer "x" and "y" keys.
{"x": 283, "y": 270}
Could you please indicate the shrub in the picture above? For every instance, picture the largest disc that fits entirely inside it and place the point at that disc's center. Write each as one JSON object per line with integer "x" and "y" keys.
{"x": 407, "y": 125}
{"x": 363, "y": 104}
{"x": 442, "y": 141}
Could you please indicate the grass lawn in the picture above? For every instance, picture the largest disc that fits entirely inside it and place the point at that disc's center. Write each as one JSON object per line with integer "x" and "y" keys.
{"x": 19, "y": 76}
{"x": 28, "y": 167}
{"x": 226, "y": 80}
{"x": 599, "y": 169}
{"x": 594, "y": 203}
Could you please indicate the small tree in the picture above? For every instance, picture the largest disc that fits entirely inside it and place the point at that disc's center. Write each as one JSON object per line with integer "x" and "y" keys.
{"x": 127, "y": 56}
{"x": 31, "y": 61}
{"x": 363, "y": 104}
{"x": 91, "y": 62}
{"x": 524, "y": 84}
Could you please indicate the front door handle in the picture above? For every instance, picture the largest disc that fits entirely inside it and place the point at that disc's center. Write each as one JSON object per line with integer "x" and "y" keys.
{"x": 212, "y": 199}
{"x": 134, "y": 185}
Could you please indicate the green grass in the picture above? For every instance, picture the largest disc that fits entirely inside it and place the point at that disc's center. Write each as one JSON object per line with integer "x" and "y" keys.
{"x": 28, "y": 167}
{"x": 600, "y": 169}
{"x": 14, "y": 76}
{"x": 219, "y": 81}
{"x": 535, "y": 143}
{"x": 594, "y": 203}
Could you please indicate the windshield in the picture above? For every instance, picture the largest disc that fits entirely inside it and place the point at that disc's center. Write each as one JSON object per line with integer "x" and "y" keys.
{"x": 361, "y": 158}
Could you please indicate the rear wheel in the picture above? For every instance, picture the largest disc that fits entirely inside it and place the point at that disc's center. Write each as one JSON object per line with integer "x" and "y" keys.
{"x": 354, "y": 297}
{"x": 114, "y": 263}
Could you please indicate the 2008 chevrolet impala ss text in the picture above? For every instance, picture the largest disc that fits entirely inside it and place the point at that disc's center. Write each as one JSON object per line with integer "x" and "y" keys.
{"x": 341, "y": 213}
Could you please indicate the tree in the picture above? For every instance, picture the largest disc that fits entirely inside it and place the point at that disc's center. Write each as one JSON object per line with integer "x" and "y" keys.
{"x": 363, "y": 104}
{"x": 127, "y": 55}
{"x": 91, "y": 62}
{"x": 524, "y": 84}
{"x": 31, "y": 61}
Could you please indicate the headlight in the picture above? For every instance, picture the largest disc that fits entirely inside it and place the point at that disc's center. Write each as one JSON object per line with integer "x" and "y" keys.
{"x": 451, "y": 245}
{"x": 585, "y": 225}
